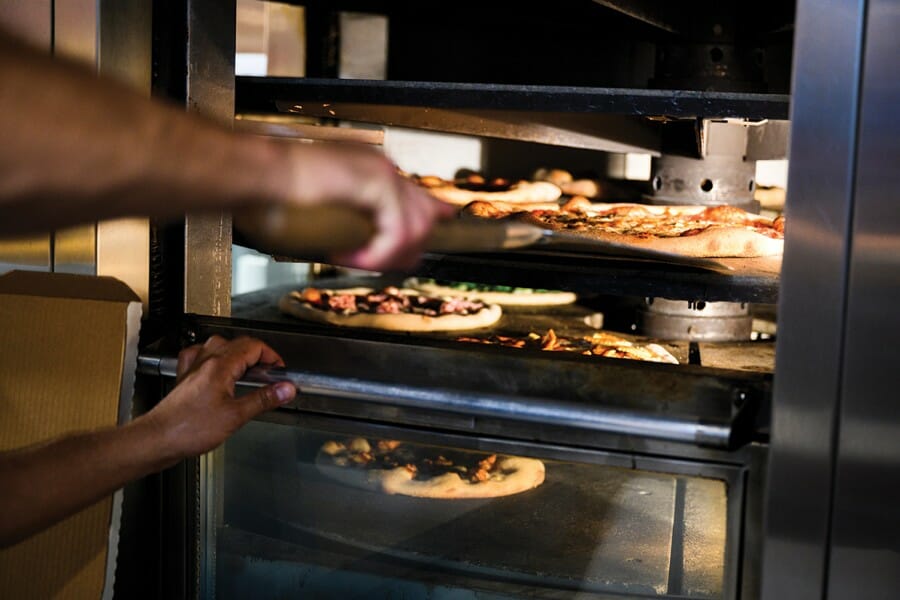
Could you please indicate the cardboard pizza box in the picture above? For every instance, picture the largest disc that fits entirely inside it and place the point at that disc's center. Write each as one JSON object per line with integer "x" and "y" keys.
{"x": 68, "y": 348}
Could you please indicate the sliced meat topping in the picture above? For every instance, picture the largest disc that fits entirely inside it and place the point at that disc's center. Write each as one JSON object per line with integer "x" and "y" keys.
{"x": 390, "y": 300}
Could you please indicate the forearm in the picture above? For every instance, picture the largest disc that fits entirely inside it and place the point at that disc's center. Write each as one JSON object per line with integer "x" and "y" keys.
{"x": 43, "y": 484}
{"x": 76, "y": 145}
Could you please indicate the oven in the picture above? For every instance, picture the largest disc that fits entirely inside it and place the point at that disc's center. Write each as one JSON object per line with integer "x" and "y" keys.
{"x": 751, "y": 469}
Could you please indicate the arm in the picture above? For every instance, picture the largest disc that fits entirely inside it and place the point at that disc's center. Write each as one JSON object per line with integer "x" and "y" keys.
{"x": 46, "y": 483}
{"x": 79, "y": 148}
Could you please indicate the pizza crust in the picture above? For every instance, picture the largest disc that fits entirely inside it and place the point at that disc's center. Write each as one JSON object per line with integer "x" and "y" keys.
{"x": 291, "y": 305}
{"x": 519, "y": 474}
{"x": 548, "y": 298}
{"x": 718, "y": 241}
{"x": 522, "y": 192}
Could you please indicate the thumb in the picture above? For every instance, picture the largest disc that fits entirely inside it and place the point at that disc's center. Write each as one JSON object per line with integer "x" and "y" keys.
{"x": 266, "y": 398}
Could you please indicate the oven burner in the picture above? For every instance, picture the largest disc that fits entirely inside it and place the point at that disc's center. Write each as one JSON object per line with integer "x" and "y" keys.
{"x": 695, "y": 321}
{"x": 715, "y": 179}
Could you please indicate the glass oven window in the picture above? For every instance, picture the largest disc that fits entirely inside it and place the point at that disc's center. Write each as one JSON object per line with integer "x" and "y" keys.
{"x": 289, "y": 528}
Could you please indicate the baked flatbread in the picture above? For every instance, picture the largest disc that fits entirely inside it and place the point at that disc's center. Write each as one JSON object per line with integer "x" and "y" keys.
{"x": 392, "y": 467}
{"x": 390, "y": 309}
{"x": 492, "y": 294}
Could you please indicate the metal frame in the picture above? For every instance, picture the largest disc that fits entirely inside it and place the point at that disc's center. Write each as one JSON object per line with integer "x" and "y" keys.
{"x": 831, "y": 498}
{"x": 267, "y": 94}
{"x": 209, "y": 90}
{"x": 862, "y": 559}
{"x": 838, "y": 261}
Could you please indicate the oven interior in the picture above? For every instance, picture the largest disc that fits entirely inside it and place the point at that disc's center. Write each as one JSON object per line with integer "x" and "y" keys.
{"x": 653, "y": 472}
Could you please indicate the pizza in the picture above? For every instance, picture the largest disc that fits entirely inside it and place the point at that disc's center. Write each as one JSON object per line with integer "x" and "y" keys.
{"x": 698, "y": 231}
{"x": 474, "y": 187}
{"x": 504, "y": 295}
{"x": 389, "y": 308}
{"x": 600, "y": 343}
{"x": 394, "y": 467}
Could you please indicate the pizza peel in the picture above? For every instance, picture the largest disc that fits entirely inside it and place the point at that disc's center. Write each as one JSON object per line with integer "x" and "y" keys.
{"x": 314, "y": 233}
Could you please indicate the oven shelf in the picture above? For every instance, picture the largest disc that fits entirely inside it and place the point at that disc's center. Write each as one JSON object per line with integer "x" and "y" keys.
{"x": 617, "y": 120}
{"x": 613, "y": 401}
{"x": 753, "y": 280}
{"x": 282, "y": 94}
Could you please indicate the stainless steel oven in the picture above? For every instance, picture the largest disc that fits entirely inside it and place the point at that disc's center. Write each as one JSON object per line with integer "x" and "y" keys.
{"x": 755, "y": 468}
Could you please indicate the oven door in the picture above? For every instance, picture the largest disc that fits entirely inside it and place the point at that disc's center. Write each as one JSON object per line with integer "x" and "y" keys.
{"x": 600, "y": 524}
{"x": 651, "y": 476}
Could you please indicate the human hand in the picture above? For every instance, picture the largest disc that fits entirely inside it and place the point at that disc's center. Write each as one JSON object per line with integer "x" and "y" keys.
{"x": 364, "y": 178}
{"x": 203, "y": 411}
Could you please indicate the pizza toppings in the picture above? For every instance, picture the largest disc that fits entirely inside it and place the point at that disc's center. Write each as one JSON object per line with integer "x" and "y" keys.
{"x": 476, "y": 187}
{"x": 390, "y": 308}
{"x": 421, "y": 464}
{"x": 467, "y": 287}
{"x": 505, "y": 295}
{"x": 703, "y": 231}
{"x": 638, "y": 221}
{"x": 598, "y": 344}
{"x": 392, "y": 466}
{"x": 388, "y": 301}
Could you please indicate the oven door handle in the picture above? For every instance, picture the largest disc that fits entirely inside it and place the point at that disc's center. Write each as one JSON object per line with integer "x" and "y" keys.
{"x": 602, "y": 419}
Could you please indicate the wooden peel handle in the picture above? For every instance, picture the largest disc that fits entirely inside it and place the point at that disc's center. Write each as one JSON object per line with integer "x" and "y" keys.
{"x": 316, "y": 232}
{"x": 302, "y": 232}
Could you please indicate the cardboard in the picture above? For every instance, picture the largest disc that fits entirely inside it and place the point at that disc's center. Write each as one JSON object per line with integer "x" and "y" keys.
{"x": 68, "y": 346}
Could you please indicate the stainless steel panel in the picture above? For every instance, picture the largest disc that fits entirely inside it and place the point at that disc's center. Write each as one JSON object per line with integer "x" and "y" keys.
{"x": 125, "y": 43}
{"x": 115, "y": 37}
{"x": 123, "y": 252}
{"x": 75, "y": 36}
{"x": 31, "y": 254}
{"x": 125, "y": 53}
{"x": 30, "y": 19}
{"x": 827, "y": 57}
{"x": 768, "y": 141}
{"x": 76, "y": 28}
{"x": 210, "y": 91}
{"x": 210, "y": 56}
{"x": 207, "y": 268}
{"x": 75, "y": 250}
{"x": 864, "y": 561}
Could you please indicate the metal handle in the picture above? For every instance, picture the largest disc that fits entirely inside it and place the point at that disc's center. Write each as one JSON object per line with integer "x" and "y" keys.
{"x": 538, "y": 410}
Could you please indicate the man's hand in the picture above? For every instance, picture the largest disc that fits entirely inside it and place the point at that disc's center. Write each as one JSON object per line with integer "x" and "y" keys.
{"x": 364, "y": 178}
{"x": 202, "y": 411}
{"x": 49, "y": 481}
{"x": 137, "y": 151}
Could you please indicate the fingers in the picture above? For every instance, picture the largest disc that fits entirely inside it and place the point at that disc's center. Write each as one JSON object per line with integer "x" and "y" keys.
{"x": 244, "y": 352}
{"x": 186, "y": 359}
{"x": 264, "y": 399}
{"x": 403, "y": 225}
{"x": 404, "y": 213}
{"x": 236, "y": 356}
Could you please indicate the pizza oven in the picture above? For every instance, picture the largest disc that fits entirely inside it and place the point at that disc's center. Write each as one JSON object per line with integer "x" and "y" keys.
{"x": 724, "y": 476}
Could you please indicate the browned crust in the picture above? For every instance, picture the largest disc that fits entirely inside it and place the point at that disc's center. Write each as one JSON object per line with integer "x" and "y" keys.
{"x": 524, "y": 474}
{"x": 291, "y": 305}
{"x": 721, "y": 241}
{"x": 715, "y": 242}
{"x": 522, "y": 192}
